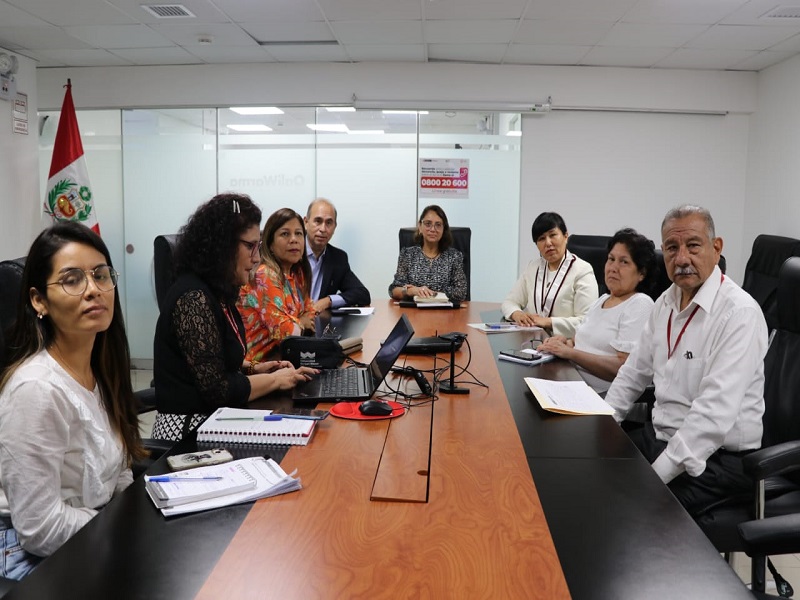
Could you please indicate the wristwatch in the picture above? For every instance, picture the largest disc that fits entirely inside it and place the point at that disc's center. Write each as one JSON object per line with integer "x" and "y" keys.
{"x": 405, "y": 289}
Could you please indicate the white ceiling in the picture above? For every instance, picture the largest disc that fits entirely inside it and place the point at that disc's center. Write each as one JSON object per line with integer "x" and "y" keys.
{"x": 692, "y": 34}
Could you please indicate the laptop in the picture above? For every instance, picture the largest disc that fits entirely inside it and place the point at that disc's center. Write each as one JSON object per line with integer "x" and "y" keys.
{"x": 357, "y": 383}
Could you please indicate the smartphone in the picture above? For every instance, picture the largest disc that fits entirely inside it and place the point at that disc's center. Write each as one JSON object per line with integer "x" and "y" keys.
{"x": 518, "y": 354}
{"x": 302, "y": 413}
{"x": 204, "y": 458}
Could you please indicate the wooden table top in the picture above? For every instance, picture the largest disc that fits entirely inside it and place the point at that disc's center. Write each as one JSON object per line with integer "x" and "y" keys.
{"x": 482, "y": 532}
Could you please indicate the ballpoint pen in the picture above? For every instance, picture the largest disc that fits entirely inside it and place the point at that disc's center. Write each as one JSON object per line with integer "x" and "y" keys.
{"x": 264, "y": 418}
{"x": 170, "y": 478}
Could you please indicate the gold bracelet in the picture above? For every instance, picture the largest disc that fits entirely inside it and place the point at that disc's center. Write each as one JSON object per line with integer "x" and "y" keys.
{"x": 251, "y": 370}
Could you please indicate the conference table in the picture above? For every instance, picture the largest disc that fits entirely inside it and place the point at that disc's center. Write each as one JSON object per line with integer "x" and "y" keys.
{"x": 482, "y": 495}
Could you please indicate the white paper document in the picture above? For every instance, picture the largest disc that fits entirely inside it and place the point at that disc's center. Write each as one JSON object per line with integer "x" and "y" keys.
{"x": 568, "y": 397}
{"x": 502, "y": 327}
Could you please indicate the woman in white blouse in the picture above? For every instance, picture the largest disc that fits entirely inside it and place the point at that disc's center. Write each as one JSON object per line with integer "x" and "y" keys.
{"x": 68, "y": 419}
{"x": 555, "y": 291}
{"x": 612, "y": 325}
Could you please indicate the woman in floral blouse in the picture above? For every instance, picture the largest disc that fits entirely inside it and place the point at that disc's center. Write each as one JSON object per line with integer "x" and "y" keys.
{"x": 277, "y": 301}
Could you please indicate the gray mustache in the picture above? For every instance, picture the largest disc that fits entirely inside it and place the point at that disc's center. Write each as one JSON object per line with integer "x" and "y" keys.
{"x": 684, "y": 271}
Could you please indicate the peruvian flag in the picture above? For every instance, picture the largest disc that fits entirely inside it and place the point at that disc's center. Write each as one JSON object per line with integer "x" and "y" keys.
{"x": 69, "y": 194}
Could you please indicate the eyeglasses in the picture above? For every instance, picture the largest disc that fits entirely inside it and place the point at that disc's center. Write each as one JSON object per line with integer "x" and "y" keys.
{"x": 437, "y": 226}
{"x": 75, "y": 281}
{"x": 253, "y": 247}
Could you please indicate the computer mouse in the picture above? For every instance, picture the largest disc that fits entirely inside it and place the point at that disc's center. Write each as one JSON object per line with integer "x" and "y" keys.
{"x": 375, "y": 408}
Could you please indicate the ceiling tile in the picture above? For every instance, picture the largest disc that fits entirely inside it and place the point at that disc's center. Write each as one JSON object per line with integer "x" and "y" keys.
{"x": 609, "y": 56}
{"x": 90, "y": 57}
{"x": 478, "y": 32}
{"x": 700, "y": 12}
{"x": 40, "y": 38}
{"x": 550, "y": 54}
{"x": 762, "y": 60}
{"x": 310, "y": 52}
{"x": 188, "y": 34}
{"x": 386, "y": 52}
{"x": 741, "y": 37}
{"x": 74, "y": 12}
{"x": 696, "y": 58}
{"x": 379, "y": 10}
{"x": 268, "y": 11}
{"x": 119, "y": 36}
{"x": 653, "y": 35}
{"x": 229, "y": 54}
{"x": 11, "y": 16}
{"x": 290, "y": 31}
{"x": 158, "y": 56}
{"x": 790, "y": 45}
{"x": 474, "y": 9}
{"x": 566, "y": 33}
{"x": 376, "y": 32}
{"x": 581, "y": 10}
{"x": 482, "y": 53}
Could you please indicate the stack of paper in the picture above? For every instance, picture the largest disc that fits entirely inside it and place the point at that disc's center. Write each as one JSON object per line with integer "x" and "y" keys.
{"x": 440, "y": 298}
{"x": 210, "y": 487}
{"x": 568, "y": 397}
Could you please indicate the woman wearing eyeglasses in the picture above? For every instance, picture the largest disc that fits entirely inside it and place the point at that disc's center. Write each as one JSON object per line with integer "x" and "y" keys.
{"x": 200, "y": 343}
{"x": 433, "y": 265}
{"x": 68, "y": 420}
{"x": 277, "y": 301}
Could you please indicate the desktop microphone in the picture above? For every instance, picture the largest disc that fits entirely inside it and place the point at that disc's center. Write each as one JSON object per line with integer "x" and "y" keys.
{"x": 449, "y": 386}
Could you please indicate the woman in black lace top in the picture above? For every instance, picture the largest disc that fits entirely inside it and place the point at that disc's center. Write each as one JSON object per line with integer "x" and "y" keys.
{"x": 200, "y": 341}
{"x": 433, "y": 265}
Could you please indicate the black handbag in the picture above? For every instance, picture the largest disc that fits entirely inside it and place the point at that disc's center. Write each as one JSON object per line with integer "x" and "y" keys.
{"x": 318, "y": 353}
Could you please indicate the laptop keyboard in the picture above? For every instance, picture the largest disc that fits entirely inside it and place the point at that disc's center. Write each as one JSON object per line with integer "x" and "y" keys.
{"x": 342, "y": 382}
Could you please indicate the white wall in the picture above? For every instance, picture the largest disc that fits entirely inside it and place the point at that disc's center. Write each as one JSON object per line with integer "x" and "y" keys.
{"x": 773, "y": 174}
{"x": 20, "y": 200}
{"x": 603, "y": 170}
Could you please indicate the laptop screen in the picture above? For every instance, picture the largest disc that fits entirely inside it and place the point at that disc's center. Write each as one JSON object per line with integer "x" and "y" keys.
{"x": 391, "y": 349}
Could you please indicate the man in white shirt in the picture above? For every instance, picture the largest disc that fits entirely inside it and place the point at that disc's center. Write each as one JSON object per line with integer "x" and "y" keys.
{"x": 703, "y": 347}
{"x": 333, "y": 283}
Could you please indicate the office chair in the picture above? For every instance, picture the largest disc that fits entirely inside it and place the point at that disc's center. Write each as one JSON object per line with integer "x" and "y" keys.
{"x": 10, "y": 281}
{"x": 462, "y": 240}
{"x": 777, "y": 491}
{"x": 594, "y": 250}
{"x": 761, "y": 272}
{"x": 163, "y": 264}
{"x": 769, "y": 537}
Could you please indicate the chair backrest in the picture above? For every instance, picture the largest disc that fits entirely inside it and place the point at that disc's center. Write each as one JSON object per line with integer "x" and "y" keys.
{"x": 163, "y": 264}
{"x": 761, "y": 272}
{"x": 10, "y": 283}
{"x": 782, "y": 363}
{"x": 462, "y": 240}
{"x": 594, "y": 250}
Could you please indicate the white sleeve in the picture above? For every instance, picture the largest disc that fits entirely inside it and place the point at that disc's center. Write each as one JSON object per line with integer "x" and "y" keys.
{"x": 34, "y": 438}
{"x": 584, "y": 296}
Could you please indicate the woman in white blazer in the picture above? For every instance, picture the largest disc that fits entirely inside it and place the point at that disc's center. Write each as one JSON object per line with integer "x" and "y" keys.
{"x": 556, "y": 290}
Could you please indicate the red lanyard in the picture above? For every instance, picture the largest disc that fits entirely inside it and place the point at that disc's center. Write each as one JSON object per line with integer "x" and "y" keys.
{"x": 670, "y": 348}
{"x": 232, "y": 323}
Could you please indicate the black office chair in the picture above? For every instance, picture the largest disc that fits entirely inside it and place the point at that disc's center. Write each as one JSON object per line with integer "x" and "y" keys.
{"x": 594, "y": 250}
{"x": 777, "y": 490}
{"x": 462, "y": 240}
{"x": 10, "y": 281}
{"x": 770, "y": 537}
{"x": 761, "y": 273}
{"x": 163, "y": 264}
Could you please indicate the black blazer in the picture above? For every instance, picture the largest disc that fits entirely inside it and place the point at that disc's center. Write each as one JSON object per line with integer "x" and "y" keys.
{"x": 338, "y": 278}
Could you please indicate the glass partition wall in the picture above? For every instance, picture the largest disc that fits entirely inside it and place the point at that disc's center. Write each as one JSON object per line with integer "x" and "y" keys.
{"x": 151, "y": 168}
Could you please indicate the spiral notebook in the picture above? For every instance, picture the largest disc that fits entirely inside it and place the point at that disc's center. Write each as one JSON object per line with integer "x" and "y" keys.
{"x": 245, "y": 426}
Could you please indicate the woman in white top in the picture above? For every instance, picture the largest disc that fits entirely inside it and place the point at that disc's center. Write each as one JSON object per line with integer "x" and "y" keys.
{"x": 68, "y": 420}
{"x": 556, "y": 290}
{"x": 612, "y": 325}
